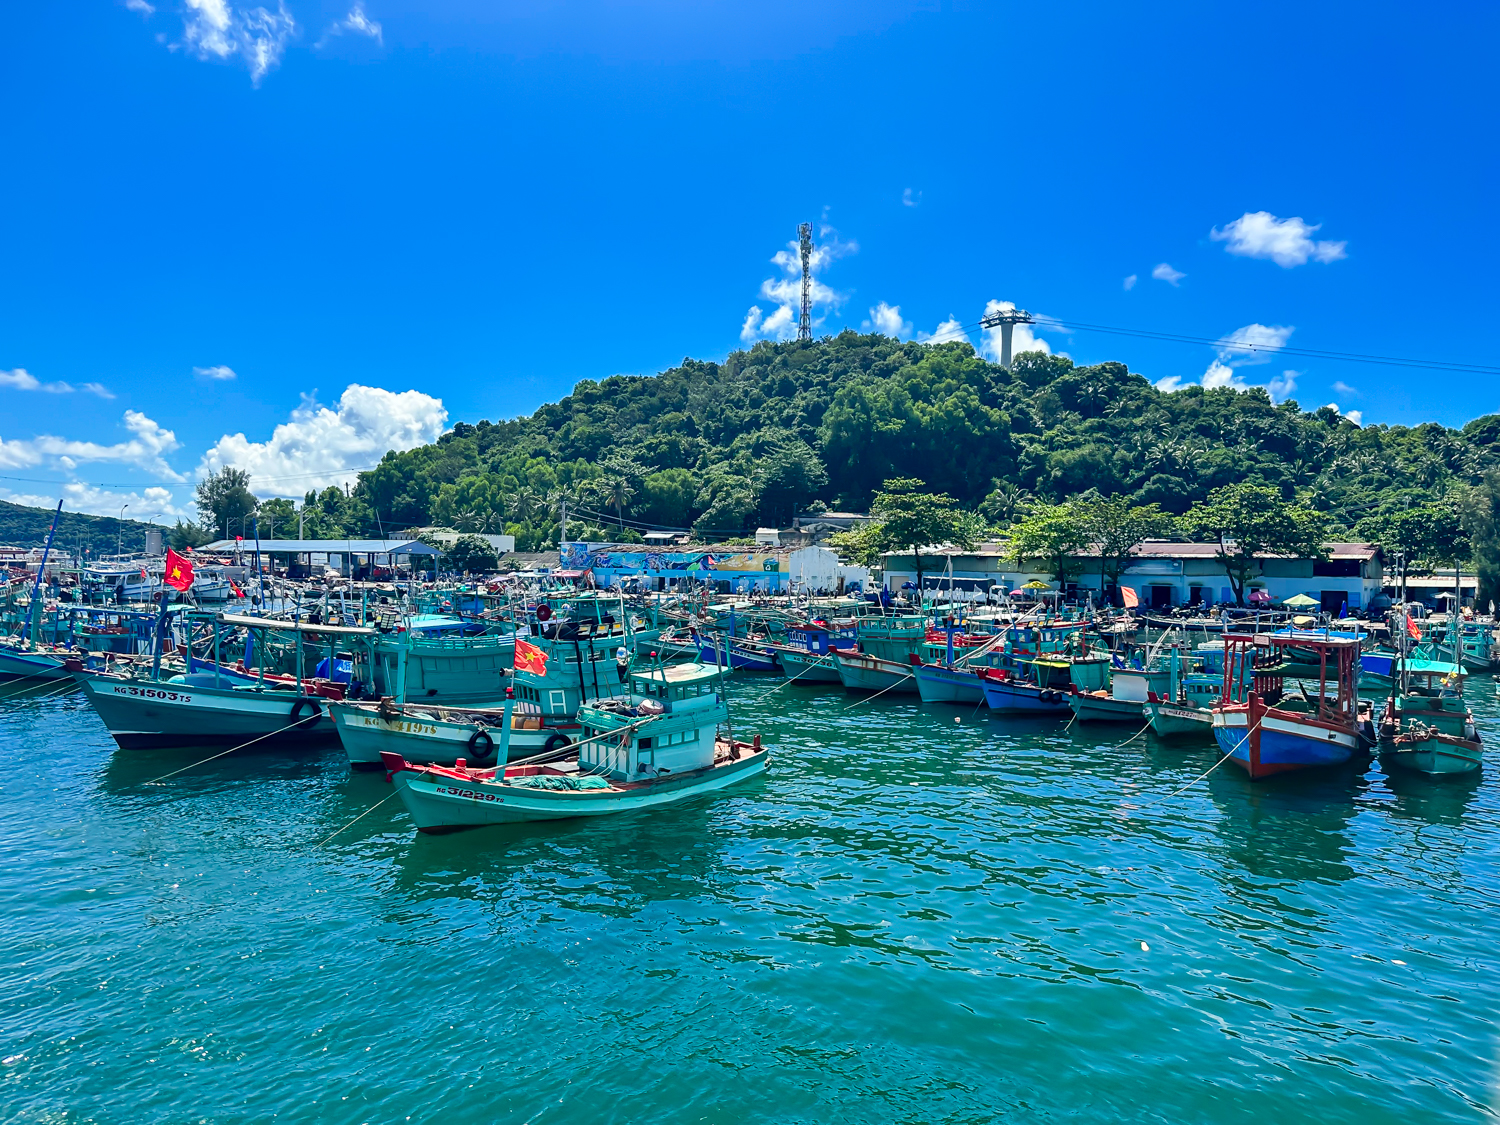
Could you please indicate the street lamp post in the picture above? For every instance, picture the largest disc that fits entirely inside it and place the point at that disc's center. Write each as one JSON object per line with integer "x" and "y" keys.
{"x": 118, "y": 528}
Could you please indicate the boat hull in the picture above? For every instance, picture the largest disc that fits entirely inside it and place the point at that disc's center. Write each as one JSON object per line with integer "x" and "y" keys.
{"x": 19, "y": 665}
{"x": 1435, "y": 756}
{"x": 1180, "y": 720}
{"x": 446, "y": 803}
{"x": 937, "y": 684}
{"x": 142, "y": 714}
{"x": 1280, "y": 742}
{"x": 1010, "y": 697}
{"x": 423, "y": 740}
{"x": 1096, "y": 709}
{"x": 860, "y": 671}
{"x": 808, "y": 667}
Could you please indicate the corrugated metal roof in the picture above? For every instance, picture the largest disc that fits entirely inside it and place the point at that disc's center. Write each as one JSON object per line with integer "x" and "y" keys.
{"x": 336, "y": 546}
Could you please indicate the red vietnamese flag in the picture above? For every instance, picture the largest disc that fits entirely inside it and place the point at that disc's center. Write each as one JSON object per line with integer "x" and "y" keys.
{"x": 529, "y": 658}
{"x": 1413, "y": 629}
{"x": 179, "y": 572}
{"x": 237, "y": 591}
{"x": 1129, "y": 597}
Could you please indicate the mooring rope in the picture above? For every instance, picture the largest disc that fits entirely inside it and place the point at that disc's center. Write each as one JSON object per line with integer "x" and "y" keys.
{"x": 316, "y": 715}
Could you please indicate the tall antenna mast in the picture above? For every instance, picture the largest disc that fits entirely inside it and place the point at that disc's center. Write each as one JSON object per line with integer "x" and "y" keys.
{"x": 804, "y": 326}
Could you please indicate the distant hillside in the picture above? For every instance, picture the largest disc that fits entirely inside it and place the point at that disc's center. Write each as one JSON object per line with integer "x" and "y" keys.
{"x": 725, "y": 447}
{"x": 27, "y": 527}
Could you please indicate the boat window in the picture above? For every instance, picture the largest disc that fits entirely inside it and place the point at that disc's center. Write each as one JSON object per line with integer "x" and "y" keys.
{"x": 644, "y": 744}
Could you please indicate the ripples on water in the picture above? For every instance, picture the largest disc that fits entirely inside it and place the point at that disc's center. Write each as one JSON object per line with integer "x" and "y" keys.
{"x": 907, "y": 920}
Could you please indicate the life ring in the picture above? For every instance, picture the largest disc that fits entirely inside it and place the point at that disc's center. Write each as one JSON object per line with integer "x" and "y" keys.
{"x": 297, "y": 707}
{"x": 544, "y": 613}
{"x": 556, "y": 742}
{"x": 481, "y": 738}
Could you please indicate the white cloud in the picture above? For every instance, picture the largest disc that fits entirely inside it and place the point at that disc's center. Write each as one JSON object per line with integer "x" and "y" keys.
{"x": 1280, "y": 387}
{"x": 80, "y": 497}
{"x": 1130, "y": 282}
{"x": 1253, "y": 344}
{"x": 786, "y": 291}
{"x": 886, "y": 319}
{"x": 948, "y": 332}
{"x": 1355, "y": 416}
{"x": 146, "y": 449}
{"x": 1260, "y": 234}
{"x": 219, "y": 372}
{"x": 1344, "y": 388}
{"x": 140, "y": 6}
{"x": 1023, "y": 337}
{"x": 319, "y": 446}
{"x": 22, "y": 380}
{"x": 1166, "y": 273}
{"x": 1218, "y": 375}
{"x": 355, "y": 23}
{"x": 215, "y": 29}
{"x": 1249, "y": 346}
{"x": 910, "y": 200}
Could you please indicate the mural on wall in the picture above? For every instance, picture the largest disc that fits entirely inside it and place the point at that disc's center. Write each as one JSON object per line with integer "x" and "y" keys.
{"x": 587, "y": 556}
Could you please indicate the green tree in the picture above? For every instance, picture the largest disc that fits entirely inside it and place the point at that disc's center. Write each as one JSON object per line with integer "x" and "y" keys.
{"x": 224, "y": 500}
{"x": 1115, "y": 527}
{"x": 859, "y": 546}
{"x": 1249, "y": 521}
{"x": 473, "y": 554}
{"x": 910, "y": 518}
{"x": 277, "y": 518}
{"x": 1052, "y": 536}
{"x": 186, "y": 533}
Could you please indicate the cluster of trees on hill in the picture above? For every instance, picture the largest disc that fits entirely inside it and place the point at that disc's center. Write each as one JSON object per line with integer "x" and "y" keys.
{"x": 722, "y": 448}
{"x": 77, "y": 533}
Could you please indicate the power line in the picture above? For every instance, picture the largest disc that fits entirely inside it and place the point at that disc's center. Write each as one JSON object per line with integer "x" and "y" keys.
{"x": 1055, "y": 325}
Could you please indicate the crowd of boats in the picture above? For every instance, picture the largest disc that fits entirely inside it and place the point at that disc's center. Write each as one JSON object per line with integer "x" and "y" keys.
{"x": 488, "y": 704}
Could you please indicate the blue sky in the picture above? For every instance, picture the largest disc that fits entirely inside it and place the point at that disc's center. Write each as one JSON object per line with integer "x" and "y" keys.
{"x": 293, "y": 236}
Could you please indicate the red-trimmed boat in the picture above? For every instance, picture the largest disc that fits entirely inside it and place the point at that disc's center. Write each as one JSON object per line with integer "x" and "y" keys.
{"x": 1290, "y": 701}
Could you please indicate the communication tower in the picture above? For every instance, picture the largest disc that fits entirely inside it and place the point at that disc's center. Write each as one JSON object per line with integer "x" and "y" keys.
{"x": 804, "y": 325}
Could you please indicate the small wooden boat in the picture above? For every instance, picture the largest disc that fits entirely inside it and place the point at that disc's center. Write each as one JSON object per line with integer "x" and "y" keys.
{"x": 428, "y": 734}
{"x": 1184, "y": 711}
{"x": 655, "y": 747}
{"x": 1428, "y": 728}
{"x": 1043, "y": 685}
{"x": 806, "y": 656}
{"x": 1266, "y": 730}
{"x": 1129, "y": 690}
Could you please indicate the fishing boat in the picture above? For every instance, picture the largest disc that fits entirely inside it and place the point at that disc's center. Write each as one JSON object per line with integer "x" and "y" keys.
{"x": 1043, "y": 685}
{"x": 1123, "y": 701}
{"x": 144, "y": 709}
{"x": 735, "y": 652}
{"x": 1184, "y": 711}
{"x": 657, "y": 746}
{"x": 807, "y": 653}
{"x": 20, "y": 661}
{"x": 1427, "y": 726}
{"x": 1264, "y": 728}
{"x": 860, "y": 671}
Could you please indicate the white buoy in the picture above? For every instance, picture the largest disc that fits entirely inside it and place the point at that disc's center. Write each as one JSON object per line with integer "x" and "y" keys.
{"x": 1145, "y": 948}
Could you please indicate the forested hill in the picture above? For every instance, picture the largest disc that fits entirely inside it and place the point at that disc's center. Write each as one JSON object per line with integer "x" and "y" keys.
{"x": 725, "y": 447}
{"x": 21, "y": 526}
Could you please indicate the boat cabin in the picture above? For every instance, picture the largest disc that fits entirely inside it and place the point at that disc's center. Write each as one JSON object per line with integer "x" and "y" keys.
{"x": 667, "y": 725}
{"x": 819, "y": 639}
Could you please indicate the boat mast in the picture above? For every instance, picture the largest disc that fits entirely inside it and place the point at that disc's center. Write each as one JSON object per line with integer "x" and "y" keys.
{"x": 35, "y": 615}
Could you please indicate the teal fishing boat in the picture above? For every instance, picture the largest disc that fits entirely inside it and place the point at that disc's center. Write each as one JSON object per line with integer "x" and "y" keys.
{"x": 860, "y": 671}
{"x": 1427, "y": 726}
{"x": 1184, "y": 710}
{"x": 659, "y": 745}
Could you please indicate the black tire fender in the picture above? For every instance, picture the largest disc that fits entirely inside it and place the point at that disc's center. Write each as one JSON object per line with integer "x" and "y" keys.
{"x": 556, "y": 742}
{"x": 481, "y": 739}
{"x": 297, "y": 708}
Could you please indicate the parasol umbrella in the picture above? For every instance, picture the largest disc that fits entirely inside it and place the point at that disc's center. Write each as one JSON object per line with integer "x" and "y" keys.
{"x": 1034, "y": 584}
{"x": 1300, "y": 601}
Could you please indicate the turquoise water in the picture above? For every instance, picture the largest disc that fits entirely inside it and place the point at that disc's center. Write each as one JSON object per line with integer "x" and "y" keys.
{"x": 907, "y": 920}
